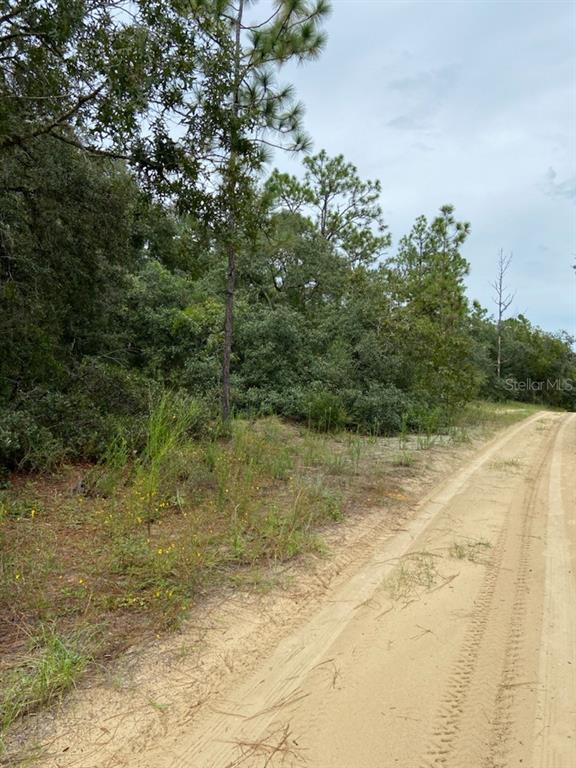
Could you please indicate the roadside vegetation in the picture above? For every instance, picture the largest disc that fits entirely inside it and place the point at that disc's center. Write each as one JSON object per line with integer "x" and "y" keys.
{"x": 97, "y": 557}
{"x": 202, "y": 357}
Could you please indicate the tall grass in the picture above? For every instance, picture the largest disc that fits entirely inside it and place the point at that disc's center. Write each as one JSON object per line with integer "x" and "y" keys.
{"x": 54, "y": 665}
{"x": 489, "y": 415}
{"x": 170, "y": 418}
{"x": 108, "y": 474}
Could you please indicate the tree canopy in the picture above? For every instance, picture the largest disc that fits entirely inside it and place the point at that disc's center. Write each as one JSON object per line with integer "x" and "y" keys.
{"x": 144, "y": 244}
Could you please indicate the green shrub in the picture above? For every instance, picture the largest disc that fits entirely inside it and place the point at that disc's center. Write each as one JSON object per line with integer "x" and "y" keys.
{"x": 112, "y": 388}
{"x": 427, "y": 418}
{"x": 379, "y": 409}
{"x": 260, "y": 401}
{"x": 100, "y": 403}
{"x": 71, "y": 418}
{"x": 326, "y": 412}
{"x": 26, "y": 444}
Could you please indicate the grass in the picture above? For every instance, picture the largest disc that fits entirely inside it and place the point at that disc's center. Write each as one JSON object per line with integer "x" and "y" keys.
{"x": 403, "y": 459}
{"x": 127, "y": 546}
{"x": 489, "y": 416}
{"x": 426, "y": 441}
{"x": 506, "y": 464}
{"x": 418, "y": 572}
{"x": 459, "y": 435}
{"x": 53, "y": 666}
{"x": 147, "y": 537}
{"x": 415, "y": 573}
{"x": 473, "y": 551}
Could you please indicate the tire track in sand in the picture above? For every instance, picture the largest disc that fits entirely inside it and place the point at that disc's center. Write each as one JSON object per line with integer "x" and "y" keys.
{"x": 473, "y": 724}
{"x": 555, "y": 731}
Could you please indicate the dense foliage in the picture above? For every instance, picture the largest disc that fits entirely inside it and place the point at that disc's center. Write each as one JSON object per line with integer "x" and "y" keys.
{"x": 116, "y": 235}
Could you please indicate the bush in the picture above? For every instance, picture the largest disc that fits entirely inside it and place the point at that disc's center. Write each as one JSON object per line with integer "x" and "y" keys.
{"x": 291, "y": 403}
{"x": 25, "y": 444}
{"x": 424, "y": 416}
{"x": 101, "y": 403}
{"x": 326, "y": 412}
{"x": 112, "y": 388}
{"x": 379, "y": 409}
{"x": 70, "y": 417}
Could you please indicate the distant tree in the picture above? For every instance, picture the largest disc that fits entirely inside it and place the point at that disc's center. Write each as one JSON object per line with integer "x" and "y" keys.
{"x": 292, "y": 263}
{"x": 427, "y": 284}
{"x": 502, "y": 299}
{"x": 547, "y": 360}
{"x": 344, "y": 208}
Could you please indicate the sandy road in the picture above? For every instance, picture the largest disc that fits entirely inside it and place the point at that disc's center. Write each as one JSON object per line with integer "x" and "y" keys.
{"x": 454, "y": 645}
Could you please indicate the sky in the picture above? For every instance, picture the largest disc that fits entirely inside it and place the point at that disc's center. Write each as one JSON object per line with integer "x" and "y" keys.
{"x": 471, "y": 103}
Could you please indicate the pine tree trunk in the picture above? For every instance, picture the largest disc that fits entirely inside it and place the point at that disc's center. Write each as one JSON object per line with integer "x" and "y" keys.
{"x": 228, "y": 331}
{"x": 231, "y": 270}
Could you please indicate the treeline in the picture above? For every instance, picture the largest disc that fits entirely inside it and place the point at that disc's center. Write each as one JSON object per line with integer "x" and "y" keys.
{"x": 142, "y": 246}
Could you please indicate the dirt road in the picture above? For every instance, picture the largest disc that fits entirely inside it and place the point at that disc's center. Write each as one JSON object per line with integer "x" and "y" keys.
{"x": 453, "y": 644}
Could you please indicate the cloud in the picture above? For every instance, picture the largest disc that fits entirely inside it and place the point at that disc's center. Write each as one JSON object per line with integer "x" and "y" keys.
{"x": 410, "y": 122}
{"x": 435, "y": 80}
{"x": 422, "y": 147}
{"x": 553, "y": 188}
{"x": 423, "y": 93}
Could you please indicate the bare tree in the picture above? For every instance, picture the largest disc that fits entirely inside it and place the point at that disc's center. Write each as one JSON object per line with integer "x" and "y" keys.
{"x": 503, "y": 299}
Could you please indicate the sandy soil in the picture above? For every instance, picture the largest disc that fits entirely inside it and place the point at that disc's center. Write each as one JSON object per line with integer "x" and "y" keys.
{"x": 443, "y": 637}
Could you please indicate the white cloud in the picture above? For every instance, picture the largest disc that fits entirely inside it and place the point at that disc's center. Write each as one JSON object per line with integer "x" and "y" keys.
{"x": 566, "y": 188}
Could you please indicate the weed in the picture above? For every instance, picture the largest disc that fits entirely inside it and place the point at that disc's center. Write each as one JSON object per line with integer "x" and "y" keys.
{"x": 255, "y": 578}
{"x": 18, "y": 508}
{"x": 326, "y": 504}
{"x": 489, "y": 415}
{"x": 414, "y": 572}
{"x": 426, "y": 441}
{"x": 469, "y": 550}
{"x": 459, "y": 435}
{"x": 155, "y": 578}
{"x": 403, "y": 439}
{"x": 25, "y": 566}
{"x": 355, "y": 450}
{"x": 505, "y": 464}
{"x": 315, "y": 451}
{"x": 159, "y": 706}
{"x": 278, "y": 533}
{"x": 403, "y": 459}
{"x": 336, "y": 463}
{"x": 155, "y": 471}
{"x": 326, "y": 412}
{"x": 54, "y": 666}
{"x": 108, "y": 474}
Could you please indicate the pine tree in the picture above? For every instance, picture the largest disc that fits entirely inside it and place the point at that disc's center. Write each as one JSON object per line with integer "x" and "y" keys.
{"x": 250, "y": 113}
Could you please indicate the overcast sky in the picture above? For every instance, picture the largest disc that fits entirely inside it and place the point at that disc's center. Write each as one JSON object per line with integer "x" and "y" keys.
{"x": 471, "y": 103}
